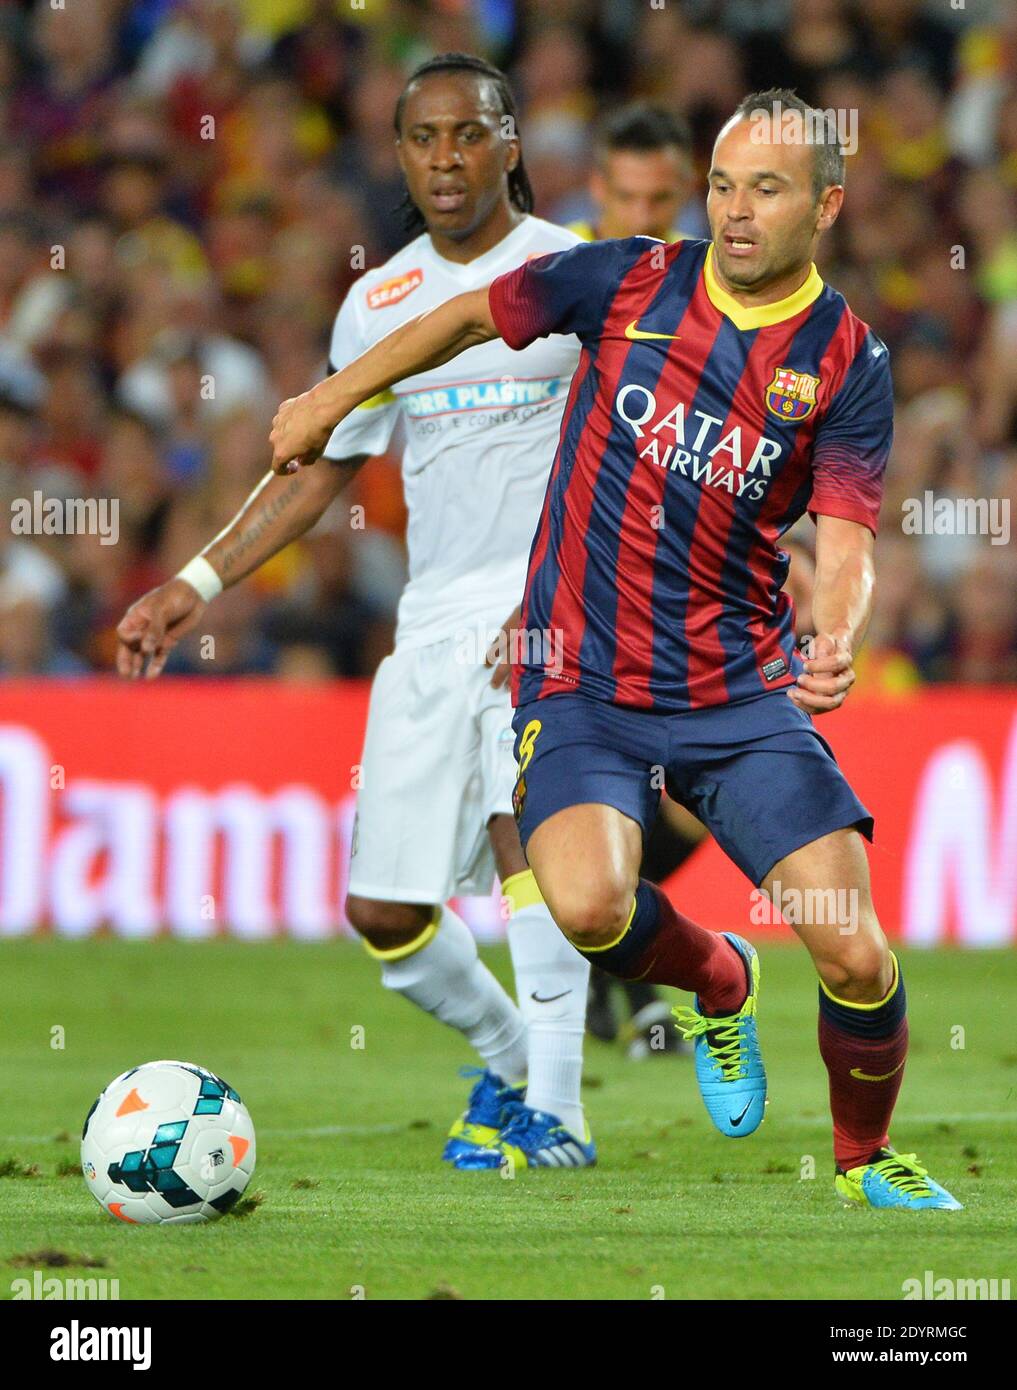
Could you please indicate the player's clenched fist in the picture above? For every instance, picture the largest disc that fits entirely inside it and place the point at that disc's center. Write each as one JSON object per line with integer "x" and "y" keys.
{"x": 153, "y": 626}
{"x": 298, "y": 433}
{"x": 828, "y": 675}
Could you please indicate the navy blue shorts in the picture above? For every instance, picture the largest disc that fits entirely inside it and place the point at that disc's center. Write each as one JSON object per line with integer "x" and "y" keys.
{"x": 757, "y": 774}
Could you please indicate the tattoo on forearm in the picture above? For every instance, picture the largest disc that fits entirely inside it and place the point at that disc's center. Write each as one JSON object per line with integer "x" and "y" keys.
{"x": 248, "y": 538}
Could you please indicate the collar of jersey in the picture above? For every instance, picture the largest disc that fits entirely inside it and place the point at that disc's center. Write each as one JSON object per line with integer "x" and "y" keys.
{"x": 764, "y": 315}
{"x": 469, "y": 270}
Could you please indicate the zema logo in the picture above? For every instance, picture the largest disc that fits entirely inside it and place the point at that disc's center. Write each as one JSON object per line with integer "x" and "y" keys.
{"x": 391, "y": 291}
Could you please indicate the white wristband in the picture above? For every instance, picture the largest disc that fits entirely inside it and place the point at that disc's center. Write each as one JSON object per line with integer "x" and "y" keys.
{"x": 201, "y": 576}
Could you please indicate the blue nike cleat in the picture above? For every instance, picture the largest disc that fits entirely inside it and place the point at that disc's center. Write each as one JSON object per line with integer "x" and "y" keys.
{"x": 491, "y": 1101}
{"x": 893, "y": 1180}
{"x": 532, "y": 1139}
{"x": 729, "y": 1065}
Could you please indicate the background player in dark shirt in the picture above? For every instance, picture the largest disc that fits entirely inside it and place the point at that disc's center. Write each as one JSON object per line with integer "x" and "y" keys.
{"x": 642, "y": 175}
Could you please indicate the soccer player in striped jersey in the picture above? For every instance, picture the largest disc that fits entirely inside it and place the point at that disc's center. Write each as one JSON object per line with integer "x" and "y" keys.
{"x": 723, "y": 391}
{"x": 641, "y": 183}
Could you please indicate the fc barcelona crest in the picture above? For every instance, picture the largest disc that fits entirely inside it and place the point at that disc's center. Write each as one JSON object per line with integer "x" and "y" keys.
{"x": 791, "y": 395}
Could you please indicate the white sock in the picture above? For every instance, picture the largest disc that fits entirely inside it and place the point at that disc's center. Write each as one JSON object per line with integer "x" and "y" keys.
{"x": 548, "y": 968}
{"x": 446, "y": 978}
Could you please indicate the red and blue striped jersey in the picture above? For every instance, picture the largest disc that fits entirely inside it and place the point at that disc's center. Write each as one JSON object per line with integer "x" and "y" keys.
{"x": 696, "y": 432}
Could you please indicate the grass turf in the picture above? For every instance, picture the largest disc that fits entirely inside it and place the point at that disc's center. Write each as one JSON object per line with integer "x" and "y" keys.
{"x": 355, "y": 1198}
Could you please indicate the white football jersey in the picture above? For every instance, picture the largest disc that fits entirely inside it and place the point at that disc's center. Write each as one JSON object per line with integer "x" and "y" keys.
{"x": 480, "y": 435}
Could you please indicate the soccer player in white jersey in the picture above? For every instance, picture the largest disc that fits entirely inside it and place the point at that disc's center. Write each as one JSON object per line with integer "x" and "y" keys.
{"x": 434, "y": 812}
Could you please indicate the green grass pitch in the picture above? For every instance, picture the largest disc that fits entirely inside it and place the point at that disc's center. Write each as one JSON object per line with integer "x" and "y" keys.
{"x": 356, "y": 1202}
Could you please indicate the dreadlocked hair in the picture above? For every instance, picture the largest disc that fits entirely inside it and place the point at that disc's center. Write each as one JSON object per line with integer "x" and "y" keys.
{"x": 520, "y": 190}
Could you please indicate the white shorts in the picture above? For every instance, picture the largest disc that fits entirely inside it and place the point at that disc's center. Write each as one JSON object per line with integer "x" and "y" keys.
{"x": 437, "y": 764}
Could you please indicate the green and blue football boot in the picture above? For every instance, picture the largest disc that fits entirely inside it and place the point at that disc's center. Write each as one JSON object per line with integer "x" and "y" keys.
{"x": 893, "y": 1180}
{"x": 729, "y": 1065}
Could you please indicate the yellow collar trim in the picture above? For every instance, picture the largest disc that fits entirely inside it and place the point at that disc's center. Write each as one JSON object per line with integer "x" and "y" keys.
{"x": 588, "y": 232}
{"x": 765, "y": 314}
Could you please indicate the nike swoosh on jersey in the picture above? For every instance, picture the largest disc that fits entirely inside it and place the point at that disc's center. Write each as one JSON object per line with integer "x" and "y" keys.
{"x": 637, "y": 335}
{"x": 860, "y": 1075}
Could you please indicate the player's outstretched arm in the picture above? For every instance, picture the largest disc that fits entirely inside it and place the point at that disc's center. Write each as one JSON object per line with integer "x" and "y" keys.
{"x": 276, "y": 513}
{"x": 841, "y": 607}
{"x": 302, "y": 426}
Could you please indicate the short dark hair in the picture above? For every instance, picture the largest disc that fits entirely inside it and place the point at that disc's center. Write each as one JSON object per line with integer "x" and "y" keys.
{"x": 827, "y": 156}
{"x": 520, "y": 190}
{"x": 643, "y": 128}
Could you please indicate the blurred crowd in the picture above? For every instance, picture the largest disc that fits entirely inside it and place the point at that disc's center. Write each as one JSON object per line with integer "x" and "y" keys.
{"x": 189, "y": 187}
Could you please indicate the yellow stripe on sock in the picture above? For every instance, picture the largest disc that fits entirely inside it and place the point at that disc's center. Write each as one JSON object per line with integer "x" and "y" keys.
{"x": 409, "y": 948}
{"x": 850, "y": 1004}
{"x": 594, "y": 950}
{"x": 521, "y": 891}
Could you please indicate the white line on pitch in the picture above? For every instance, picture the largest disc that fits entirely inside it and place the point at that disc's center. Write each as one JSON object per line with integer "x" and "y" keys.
{"x": 328, "y": 1131}
{"x": 337, "y": 1131}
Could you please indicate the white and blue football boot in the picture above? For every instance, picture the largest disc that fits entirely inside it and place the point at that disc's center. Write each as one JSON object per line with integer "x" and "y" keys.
{"x": 729, "y": 1065}
{"x": 490, "y": 1104}
{"x": 532, "y": 1139}
{"x": 893, "y": 1180}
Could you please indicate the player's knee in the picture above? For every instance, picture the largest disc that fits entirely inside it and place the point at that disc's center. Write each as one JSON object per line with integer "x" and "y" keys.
{"x": 386, "y": 925}
{"x": 860, "y": 968}
{"x": 593, "y": 913}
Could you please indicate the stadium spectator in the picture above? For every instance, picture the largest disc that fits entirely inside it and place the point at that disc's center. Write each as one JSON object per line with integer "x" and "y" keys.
{"x": 189, "y": 187}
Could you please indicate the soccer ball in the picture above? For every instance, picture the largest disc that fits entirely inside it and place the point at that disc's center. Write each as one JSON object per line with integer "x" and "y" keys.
{"x": 167, "y": 1142}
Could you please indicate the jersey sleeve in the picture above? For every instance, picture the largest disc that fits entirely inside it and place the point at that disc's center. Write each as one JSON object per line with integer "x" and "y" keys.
{"x": 565, "y": 292}
{"x": 367, "y": 429}
{"x": 853, "y": 441}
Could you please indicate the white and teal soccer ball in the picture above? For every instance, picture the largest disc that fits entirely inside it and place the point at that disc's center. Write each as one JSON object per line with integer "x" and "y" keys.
{"x": 167, "y": 1142}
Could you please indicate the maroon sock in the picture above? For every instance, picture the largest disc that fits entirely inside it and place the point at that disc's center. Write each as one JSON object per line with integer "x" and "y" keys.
{"x": 864, "y": 1052}
{"x": 665, "y": 948}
